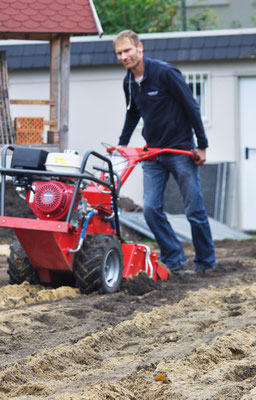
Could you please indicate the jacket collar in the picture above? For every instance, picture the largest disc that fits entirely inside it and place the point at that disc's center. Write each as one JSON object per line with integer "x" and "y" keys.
{"x": 130, "y": 79}
{"x": 130, "y": 76}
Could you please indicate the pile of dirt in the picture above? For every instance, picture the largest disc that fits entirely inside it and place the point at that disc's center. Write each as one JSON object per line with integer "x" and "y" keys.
{"x": 17, "y": 295}
{"x": 140, "y": 285}
{"x": 15, "y": 206}
{"x": 128, "y": 205}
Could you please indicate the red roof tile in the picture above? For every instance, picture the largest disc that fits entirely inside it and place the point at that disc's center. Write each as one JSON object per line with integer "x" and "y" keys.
{"x": 11, "y": 25}
{"x": 46, "y": 16}
{"x": 12, "y": 11}
{"x": 48, "y": 12}
{"x": 3, "y": 18}
{"x": 3, "y": 6}
{"x": 29, "y": 12}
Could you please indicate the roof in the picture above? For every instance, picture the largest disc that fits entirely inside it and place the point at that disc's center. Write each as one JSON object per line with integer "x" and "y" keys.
{"x": 170, "y": 48}
{"x": 47, "y": 16}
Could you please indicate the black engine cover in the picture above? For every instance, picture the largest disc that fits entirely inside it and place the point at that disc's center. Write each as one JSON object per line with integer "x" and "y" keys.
{"x": 28, "y": 158}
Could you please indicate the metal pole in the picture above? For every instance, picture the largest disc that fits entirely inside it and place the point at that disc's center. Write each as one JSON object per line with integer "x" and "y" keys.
{"x": 184, "y": 16}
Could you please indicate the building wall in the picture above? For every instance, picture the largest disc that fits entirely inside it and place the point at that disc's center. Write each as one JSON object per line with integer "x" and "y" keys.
{"x": 231, "y": 13}
{"x": 29, "y": 85}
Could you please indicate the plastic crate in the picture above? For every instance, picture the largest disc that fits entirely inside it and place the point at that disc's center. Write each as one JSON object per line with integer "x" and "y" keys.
{"x": 29, "y": 130}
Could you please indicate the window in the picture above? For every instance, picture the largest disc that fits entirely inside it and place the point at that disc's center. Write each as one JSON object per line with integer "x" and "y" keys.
{"x": 199, "y": 84}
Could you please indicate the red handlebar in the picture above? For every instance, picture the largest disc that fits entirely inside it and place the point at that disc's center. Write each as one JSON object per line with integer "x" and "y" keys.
{"x": 150, "y": 152}
{"x": 134, "y": 155}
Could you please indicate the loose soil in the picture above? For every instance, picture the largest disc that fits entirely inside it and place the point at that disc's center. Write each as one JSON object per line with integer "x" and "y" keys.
{"x": 184, "y": 338}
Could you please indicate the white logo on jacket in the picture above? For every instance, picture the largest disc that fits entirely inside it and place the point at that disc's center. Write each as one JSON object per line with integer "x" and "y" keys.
{"x": 153, "y": 93}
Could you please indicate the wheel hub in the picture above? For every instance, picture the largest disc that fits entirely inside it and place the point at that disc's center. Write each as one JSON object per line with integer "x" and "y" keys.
{"x": 111, "y": 268}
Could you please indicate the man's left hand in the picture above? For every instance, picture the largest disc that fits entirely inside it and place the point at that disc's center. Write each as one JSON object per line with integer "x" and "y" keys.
{"x": 202, "y": 156}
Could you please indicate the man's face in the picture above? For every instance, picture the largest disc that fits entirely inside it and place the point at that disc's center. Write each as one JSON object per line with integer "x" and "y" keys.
{"x": 128, "y": 54}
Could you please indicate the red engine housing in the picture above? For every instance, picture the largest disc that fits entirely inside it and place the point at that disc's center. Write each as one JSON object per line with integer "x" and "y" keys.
{"x": 50, "y": 200}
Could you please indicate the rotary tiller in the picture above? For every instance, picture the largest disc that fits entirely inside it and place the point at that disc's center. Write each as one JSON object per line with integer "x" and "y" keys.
{"x": 74, "y": 233}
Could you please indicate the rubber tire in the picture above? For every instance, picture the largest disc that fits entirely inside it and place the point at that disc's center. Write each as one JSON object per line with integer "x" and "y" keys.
{"x": 19, "y": 267}
{"x": 90, "y": 264}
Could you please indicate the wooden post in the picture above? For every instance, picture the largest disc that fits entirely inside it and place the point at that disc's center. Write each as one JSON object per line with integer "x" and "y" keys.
{"x": 64, "y": 90}
{"x": 55, "y": 82}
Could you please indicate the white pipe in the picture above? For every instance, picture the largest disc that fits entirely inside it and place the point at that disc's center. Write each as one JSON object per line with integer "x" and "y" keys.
{"x": 96, "y": 18}
{"x": 148, "y": 263}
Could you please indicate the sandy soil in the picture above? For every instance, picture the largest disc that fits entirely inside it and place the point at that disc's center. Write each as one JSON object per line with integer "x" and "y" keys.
{"x": 186, "y": 338}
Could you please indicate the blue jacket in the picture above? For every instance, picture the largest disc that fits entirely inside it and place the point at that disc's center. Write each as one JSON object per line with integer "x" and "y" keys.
{"x": 167, "y": 107}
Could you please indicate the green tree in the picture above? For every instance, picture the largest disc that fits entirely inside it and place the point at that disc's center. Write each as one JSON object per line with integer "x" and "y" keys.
{"x": 142, "y": 16}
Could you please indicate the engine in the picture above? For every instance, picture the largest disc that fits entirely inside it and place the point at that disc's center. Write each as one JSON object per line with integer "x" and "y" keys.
{"x": 50, "y": 200}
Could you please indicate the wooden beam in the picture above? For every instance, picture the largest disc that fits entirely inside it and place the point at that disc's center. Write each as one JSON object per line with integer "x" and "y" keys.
{"x": 37, "y": 102}
{"x": 52, "y": 122}
{"x": 64, "y": 91}
{"x": 55, "y": 51}
{"x": 25, "y": 36}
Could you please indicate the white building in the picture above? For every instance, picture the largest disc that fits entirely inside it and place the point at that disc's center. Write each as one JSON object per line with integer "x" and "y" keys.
{"x": 229, "y": 13}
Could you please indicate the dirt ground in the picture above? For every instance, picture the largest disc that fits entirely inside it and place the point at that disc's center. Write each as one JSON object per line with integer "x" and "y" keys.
{"x": 186, "y": 338}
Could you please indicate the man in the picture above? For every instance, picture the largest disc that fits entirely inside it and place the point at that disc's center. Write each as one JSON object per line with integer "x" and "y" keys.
{"x": 157, "y": 92}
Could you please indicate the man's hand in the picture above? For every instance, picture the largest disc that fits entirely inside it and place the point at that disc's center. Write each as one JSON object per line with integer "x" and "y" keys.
{"x": 202, "y": 156}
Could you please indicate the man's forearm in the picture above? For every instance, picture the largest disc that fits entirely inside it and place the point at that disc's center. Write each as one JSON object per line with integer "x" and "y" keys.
{"x": 130, "y": 124}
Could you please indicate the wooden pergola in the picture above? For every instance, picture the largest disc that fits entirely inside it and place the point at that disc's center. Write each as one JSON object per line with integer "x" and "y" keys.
{"x": 53, "y": 21}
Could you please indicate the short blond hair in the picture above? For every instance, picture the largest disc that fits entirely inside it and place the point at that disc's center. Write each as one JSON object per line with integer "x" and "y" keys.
{"x": 127, "y": 34}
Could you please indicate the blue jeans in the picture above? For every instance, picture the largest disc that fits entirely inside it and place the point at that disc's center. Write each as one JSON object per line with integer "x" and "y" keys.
{"x": 187, "y": 175}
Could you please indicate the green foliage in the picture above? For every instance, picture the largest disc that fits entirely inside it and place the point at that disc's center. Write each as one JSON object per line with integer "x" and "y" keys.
{"x": 254, "y": 15}
{"x": 206, "y": 19}
{"x": 142, "y": 16}
{"x": 235, "y": 24}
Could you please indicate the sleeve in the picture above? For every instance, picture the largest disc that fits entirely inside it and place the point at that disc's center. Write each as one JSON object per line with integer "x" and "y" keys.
{"x": 183, "y": 94}
{"x": 131, "y": 119}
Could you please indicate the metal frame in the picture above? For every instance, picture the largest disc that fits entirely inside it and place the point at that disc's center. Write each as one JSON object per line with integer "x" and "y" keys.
{"x": 111, "y": 186}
